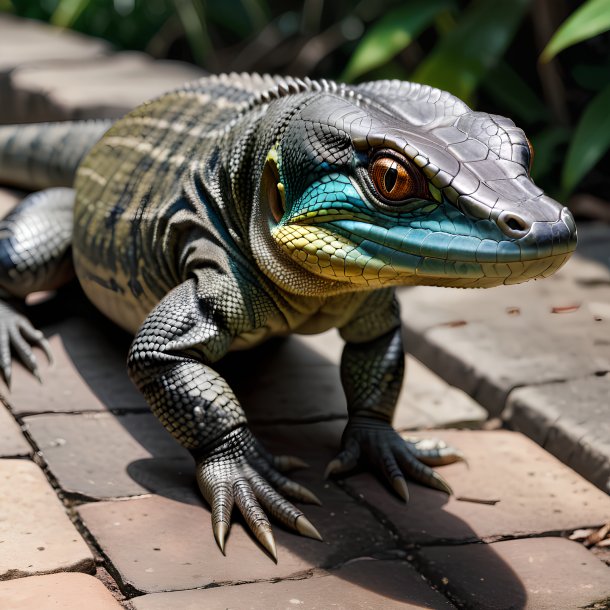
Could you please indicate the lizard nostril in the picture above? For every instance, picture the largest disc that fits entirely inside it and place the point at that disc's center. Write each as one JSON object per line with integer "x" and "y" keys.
{"x": 513, "y": 225}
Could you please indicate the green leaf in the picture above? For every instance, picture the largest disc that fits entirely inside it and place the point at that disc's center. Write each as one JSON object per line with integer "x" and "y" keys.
{"x": 391, "y": 34}
{"x": 506, "y": 87}
{"x": 590, "y": 142}
{"x": 461, "y": 59}
{"x": 67, "y": 12}
{"x": 592, "y": 18}
{"x": 192, "y": 17}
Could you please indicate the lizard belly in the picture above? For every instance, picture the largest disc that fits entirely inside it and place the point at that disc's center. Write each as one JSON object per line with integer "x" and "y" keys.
{"x": 112, "y": 295}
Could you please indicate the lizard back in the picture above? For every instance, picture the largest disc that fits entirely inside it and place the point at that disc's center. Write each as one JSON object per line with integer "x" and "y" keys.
{"x": 136, "y": 181}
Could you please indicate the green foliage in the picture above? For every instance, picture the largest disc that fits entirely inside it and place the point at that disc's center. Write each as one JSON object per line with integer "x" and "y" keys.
{"x": 590, "y": 141}
{"x": 507, "y": 88}
{"x": 461, "y": 59}
{"x": 391, "y": 34}
{"x": 592, "y": 18}
{"x": 67, "y": 12}
{"x": 485, "y": 51}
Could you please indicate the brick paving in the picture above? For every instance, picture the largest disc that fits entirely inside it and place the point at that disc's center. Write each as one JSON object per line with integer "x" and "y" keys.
{"x": 98, "y": 506}
{"x": 62, "y": 591}
{"x": 36, "y": 535}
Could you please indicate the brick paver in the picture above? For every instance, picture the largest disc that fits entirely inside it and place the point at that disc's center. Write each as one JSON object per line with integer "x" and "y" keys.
{"x": 88, "y": 372}
{"x": 360, "y": 585}
{"x": 36, "y": 535}
{"x": 12, "y": 441}
{"x": 533, "y": 493}
{"x": 56, "y": 592}
{"x": 536, "y": 573}
{"x": 166, "y": 543}
{"x": 99, "y": 455}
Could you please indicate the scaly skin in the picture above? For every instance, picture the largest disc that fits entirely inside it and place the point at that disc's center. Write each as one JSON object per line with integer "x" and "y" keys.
{"x": 242, "y": 207}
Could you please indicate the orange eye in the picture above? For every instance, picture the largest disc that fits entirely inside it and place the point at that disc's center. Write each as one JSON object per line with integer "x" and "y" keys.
{"x": 396, "y": 180}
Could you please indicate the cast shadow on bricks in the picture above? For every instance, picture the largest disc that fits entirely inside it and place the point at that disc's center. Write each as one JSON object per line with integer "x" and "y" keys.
{"x": 101, "y": 443}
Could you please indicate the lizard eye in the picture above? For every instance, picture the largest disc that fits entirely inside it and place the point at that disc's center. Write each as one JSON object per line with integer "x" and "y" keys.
{"x": 395, "y": 178}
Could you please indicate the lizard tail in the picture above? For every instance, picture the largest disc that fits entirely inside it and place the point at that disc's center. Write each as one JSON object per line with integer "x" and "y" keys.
{"x": 42, "y": 155}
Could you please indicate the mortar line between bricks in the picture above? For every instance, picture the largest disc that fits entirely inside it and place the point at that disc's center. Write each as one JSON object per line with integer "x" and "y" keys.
{"x": 100, "y": 556}
{"x": 117, "y": 412}
{"x": 488, "y": 540}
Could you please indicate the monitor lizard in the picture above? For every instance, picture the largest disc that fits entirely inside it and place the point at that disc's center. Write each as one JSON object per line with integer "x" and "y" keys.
{"x": 241, "y": 207}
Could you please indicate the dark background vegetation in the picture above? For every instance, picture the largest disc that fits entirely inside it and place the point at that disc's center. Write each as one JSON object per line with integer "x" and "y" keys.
{"x": 488, "y": 52}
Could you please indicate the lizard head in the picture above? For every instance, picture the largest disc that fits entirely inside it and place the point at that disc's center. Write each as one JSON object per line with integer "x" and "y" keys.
{"x": 394, "y": 183}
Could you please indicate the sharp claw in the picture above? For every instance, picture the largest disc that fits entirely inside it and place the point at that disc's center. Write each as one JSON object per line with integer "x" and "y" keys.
{"x": 36, "y": 374}
{"x": 265, "y": 537}
{"x": 289, "y": 462}
{"x": 46, "y": 348}
{"x": 220, "y": 532}
{"x": 400, "y": 487}
{"x": 305, "y": 495}
{"x": 333, "y": 466}
{"x": 6, "y": 372}
{"x": 305, "y": 528}
{"x": 439, "y": 483}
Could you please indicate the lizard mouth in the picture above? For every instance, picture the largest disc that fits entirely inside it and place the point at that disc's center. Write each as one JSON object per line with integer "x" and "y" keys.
{"x": 367, "y": 256}
{"x": 337, "y": 234}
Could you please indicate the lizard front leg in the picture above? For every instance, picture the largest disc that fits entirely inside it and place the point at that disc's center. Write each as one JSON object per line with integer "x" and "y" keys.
{"x": 35, "y": 241}
{"x": 170, "y": 362}
{"x": 372, "y": 372}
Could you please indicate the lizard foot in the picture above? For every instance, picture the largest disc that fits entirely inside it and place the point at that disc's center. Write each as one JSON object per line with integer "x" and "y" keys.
{"x": 239, "y": 471}
{"x": 18, "y": 334}
{"x": 394, "y": 456}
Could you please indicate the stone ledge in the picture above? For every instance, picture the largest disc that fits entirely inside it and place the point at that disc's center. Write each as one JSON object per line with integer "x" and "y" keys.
{"x": 570, "y": 420}
{"x": 104, "y": 87}
{"x": 24, "y": 41}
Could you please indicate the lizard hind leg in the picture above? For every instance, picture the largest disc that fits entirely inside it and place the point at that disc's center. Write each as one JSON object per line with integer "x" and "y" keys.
{"x": 35, "y": 241}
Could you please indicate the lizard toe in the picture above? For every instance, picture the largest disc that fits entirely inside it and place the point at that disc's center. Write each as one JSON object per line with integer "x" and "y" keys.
{"x": 433, "y": 451}
{"x": 420, "y": 472}
{"x": 346, "y": 460}
{"x": 281, "y": 509}
{"x": 18, "y": 336}
{"x": 255, "y": 516}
